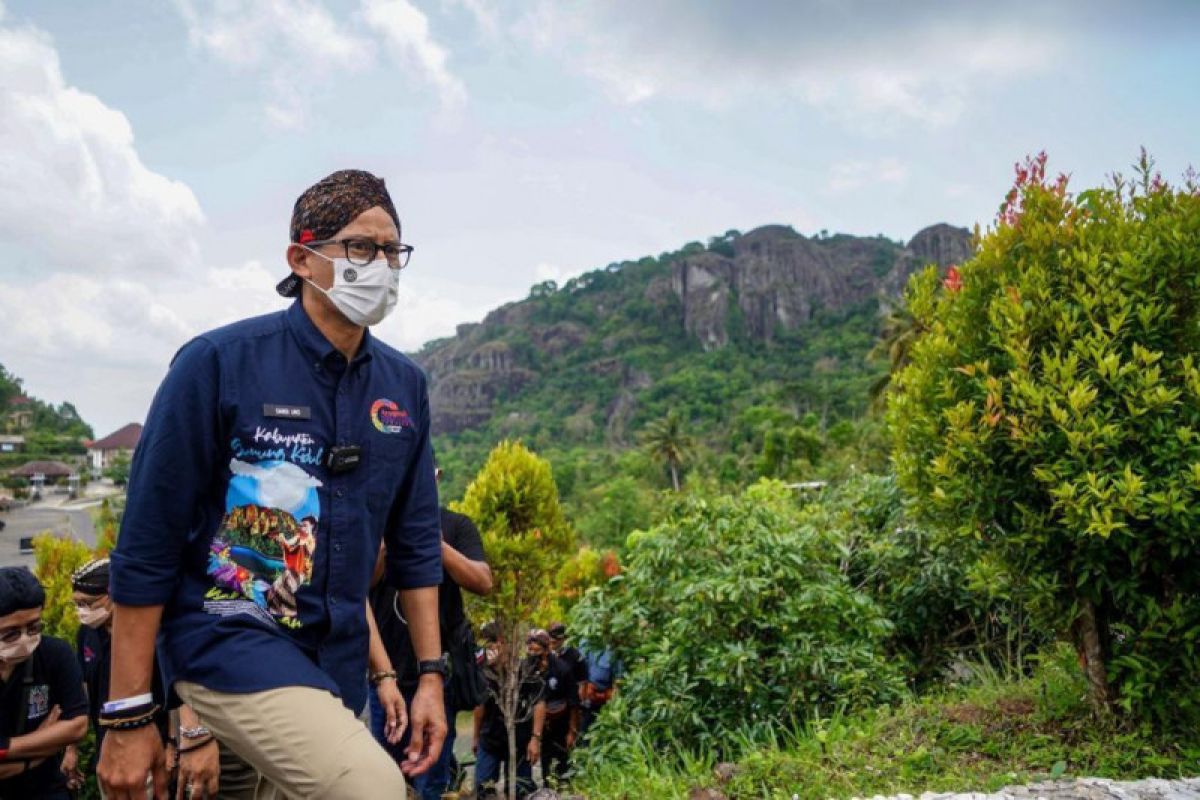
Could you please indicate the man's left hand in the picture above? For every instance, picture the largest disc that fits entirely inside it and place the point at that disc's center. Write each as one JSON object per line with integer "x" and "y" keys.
{"x": 534, "y": 752}
{"x": 428, "y": 720}
{"x": 394, "y": 710}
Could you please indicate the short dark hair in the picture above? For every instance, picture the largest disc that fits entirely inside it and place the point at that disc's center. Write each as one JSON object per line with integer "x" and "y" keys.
{"x": 19, "y": 590}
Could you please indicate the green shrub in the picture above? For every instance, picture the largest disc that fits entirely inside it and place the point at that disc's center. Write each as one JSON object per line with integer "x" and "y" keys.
{"x": 733, "y": 613}
{"x": 946, "y": 599}
{"x": 56, "y": 560}
{"x": 1051, "y": 413}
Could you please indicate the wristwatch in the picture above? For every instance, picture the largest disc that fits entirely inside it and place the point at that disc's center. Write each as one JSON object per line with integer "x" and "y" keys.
{"x": 439, "y": 665}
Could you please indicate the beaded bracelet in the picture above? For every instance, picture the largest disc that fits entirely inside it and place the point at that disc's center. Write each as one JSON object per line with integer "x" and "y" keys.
{"x": 379, "y": 677}
{"x": 133, "y": 711}
{"x": 129, "y": 724}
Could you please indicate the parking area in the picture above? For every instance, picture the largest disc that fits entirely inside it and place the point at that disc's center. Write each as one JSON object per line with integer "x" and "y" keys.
{"x": 62, "y": 518}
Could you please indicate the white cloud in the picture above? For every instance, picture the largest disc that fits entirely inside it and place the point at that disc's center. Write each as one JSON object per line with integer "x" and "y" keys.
{"x": 846, "y": 176}
{"x": 73, "y": 191}
{"x": 299, "y": 47}
{"x": 295, "y": 45}
{"x": 406, "y": 28}
{"x": 871, "y": 64}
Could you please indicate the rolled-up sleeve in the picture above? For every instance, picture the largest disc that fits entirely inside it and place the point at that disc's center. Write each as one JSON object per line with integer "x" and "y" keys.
{"x": 413, "y": 535}
{"x": 172, "y": 471}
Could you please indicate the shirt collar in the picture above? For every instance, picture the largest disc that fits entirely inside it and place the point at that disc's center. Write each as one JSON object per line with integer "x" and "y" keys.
{"x": 314, "y": 344}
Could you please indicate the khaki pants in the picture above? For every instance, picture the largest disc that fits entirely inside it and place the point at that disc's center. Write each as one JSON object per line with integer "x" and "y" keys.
{"x": 302, "y": 741}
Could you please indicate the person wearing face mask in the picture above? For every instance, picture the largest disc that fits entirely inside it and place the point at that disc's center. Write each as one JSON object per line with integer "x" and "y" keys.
{"x": 42, "y": 705}
{"x": 277, "y": 455}
{"x": 89, "y": 591}
{"x": 203, "y": 763}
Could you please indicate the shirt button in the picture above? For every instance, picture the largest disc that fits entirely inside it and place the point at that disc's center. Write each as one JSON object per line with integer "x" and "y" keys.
{"x": 339, "y": 492}
{"x": 333, "y": 601}
{"x": 337, "y": 546}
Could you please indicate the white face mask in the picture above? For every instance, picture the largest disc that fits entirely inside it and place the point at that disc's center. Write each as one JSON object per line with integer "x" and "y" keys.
{"x": 21, "y": 649}
{"x": 93, "y": 617}
{"x": 365, "y": 294}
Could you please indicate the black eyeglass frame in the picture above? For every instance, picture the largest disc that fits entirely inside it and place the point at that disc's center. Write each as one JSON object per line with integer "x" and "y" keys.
{"x": 402, "y": 255}
{"x": 10, "y": 635}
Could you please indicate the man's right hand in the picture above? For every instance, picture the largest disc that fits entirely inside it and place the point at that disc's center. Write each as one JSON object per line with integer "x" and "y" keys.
{"x": 126, "y": 758}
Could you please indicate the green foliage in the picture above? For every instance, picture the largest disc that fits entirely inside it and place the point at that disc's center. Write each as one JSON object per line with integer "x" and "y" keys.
{"x": 614, "y": 509}
{"x": 108, "y": 523}
{"x": 56, "y": 560}
{"x": 987, "y": 734}
{"x": 118, "y": 473}
{"x": 946, "y": 600}
{"x": 629, "y": 365}
{"x": 668, "y": 441}
{"x": 733, "y": 612}
{"x": 51, "y": 424}
{"x": 1051, "y": 412}
{"x": 514, "y": 502}
{"x": 587, "y": 568}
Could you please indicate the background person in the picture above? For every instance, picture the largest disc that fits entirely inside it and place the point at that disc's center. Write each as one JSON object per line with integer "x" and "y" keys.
{"x": 464, "y": 567}
{"x": 42, "y": 705}
{"x": 563, "y": 666}
{"x": 490, "y": 733}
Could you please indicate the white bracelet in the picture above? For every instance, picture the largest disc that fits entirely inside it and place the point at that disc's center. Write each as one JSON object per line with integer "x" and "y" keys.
{"x": 113, "y": 706}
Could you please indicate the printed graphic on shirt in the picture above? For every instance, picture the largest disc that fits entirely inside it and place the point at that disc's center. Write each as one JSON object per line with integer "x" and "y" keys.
{"x": 39, "y": 701}
{"x": 387, "y": 417}
{"x": 263, "y": 552}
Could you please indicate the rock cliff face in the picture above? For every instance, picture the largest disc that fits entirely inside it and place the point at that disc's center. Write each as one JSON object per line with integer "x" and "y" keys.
{"x": 777, "y": 279}
{"x": 769, "y": 280}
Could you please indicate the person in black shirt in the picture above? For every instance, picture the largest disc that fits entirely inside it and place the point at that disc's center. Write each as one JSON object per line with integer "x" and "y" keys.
{"x": 490, "y": 731}
{"x": 465, "y": 567}
{"x": 566, "y": 670}
{"x": 42, "y": 705}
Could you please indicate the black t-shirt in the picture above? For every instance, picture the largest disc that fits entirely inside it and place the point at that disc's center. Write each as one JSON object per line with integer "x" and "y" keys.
{"x": 575, "y": 661}
{"x": 492, "y": 733}
{"x": 53, "y": 680}
{"x": 561, "y": 689}
{"x": 459, "y": 532}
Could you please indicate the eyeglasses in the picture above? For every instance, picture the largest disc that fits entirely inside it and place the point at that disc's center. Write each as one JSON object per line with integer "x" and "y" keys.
{"x": 361, "y": 252}
{"x": 10, "y": 635}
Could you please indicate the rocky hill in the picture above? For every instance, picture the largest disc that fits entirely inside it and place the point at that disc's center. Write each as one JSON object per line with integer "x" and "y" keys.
{"x": 628, "y": 325}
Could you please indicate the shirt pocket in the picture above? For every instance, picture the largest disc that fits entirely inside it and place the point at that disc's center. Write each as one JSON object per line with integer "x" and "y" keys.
{"x": 389, "y": 457}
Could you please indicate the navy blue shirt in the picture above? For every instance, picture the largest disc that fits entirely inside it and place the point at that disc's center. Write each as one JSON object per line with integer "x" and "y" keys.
{"x": 259, "y": 551}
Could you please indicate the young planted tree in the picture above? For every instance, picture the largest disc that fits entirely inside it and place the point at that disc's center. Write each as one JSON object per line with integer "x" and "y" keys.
{"x": 514, "y": 501}
{"x": 1052, "y": 412}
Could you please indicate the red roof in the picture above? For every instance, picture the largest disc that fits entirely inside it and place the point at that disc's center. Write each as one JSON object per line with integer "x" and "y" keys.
{"x": 124, "y": 439}
{"x": 19, "y": 400}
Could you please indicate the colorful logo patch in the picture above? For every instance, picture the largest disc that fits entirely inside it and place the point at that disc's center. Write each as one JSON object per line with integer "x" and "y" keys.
{"x": 389, "y": 417}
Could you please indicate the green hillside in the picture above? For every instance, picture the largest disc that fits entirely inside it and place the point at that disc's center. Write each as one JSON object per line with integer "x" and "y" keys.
{"x": 580, "y": 372}
{"x": 50, "y": 432}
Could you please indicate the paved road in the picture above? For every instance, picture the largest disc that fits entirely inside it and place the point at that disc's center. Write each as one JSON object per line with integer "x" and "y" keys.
{"x": 73, "y": 519}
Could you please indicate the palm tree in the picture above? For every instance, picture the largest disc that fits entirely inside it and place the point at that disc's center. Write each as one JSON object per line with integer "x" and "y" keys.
{"x": 667, "y": 441}
{"x": 900, "y": 331}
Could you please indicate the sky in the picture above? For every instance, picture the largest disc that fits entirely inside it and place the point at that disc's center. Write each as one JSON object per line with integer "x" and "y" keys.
{"x": 151, "y": 150}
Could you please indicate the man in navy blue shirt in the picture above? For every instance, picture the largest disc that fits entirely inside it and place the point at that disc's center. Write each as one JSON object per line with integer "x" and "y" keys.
{"x": 277, "y": 454}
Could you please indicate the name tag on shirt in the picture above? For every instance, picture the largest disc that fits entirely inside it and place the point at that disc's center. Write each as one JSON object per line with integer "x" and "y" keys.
{"x": 281, "y": 411}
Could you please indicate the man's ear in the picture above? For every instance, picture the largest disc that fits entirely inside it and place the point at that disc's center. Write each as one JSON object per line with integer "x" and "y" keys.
{"x": 298, "y": 259}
